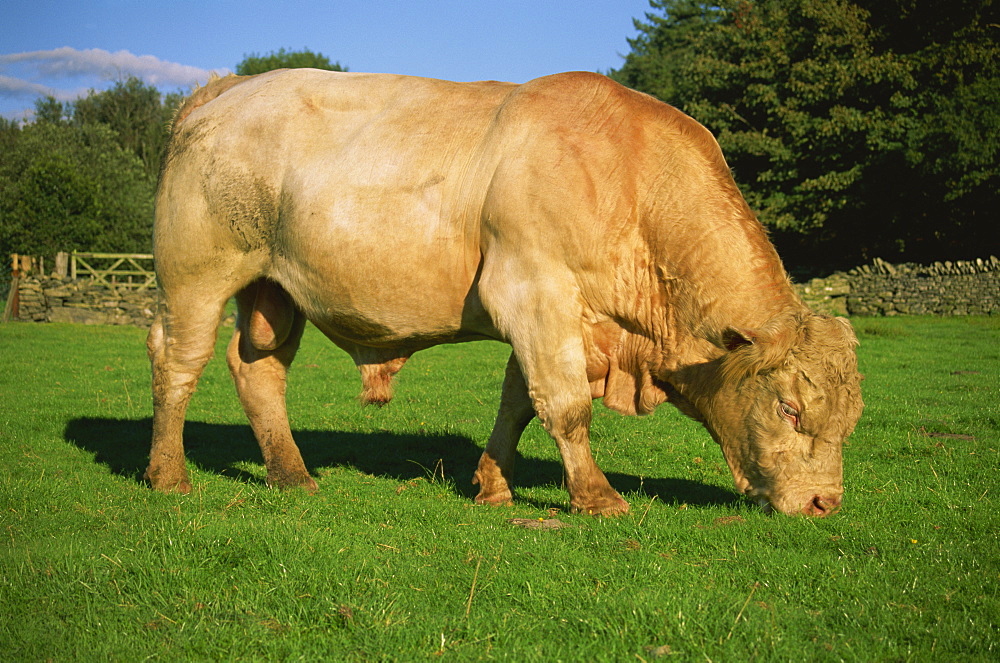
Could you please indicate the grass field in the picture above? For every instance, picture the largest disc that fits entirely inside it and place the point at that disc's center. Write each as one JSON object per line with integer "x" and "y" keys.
{"x": 391, "y": 560}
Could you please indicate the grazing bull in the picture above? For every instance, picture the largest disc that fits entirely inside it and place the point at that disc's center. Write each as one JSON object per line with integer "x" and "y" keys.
{"x": 593, "y": 228}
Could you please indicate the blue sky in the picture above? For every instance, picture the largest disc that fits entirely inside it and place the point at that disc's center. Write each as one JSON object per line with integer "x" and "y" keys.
{"x": 66, "y": 47}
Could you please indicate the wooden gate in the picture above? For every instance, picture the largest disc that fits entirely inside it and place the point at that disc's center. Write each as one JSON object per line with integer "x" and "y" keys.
{"x": 116, "y": 270}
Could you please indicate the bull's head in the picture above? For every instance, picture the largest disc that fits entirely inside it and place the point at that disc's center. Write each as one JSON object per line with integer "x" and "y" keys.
{"x": 783, "y": 401}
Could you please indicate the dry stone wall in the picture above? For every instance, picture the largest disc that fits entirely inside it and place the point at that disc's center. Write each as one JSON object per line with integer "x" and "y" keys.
{"x": 959, "y": 288}
{"x": 83, "y": 301}
{"x": 883, "y": 289}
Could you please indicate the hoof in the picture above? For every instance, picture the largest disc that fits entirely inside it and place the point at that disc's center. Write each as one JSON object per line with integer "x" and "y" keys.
{"x": 500, "y": 498}
{"x": 493, "y": 488}
{"x": 163, "y": 484}
{"x": 287, "y": 482}
{"x": 602, "y": 506}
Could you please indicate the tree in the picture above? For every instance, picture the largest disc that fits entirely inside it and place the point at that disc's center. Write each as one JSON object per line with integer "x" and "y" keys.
{"x": 138, "y": 114}
{"x": 952, "y": 52}
{"x": 50, "y": 109}
{"x": 849, "y": 137}
{"x": 282, "y": 59}
{"x": 10, "y": 130}
{"x": 65, "y": 188}
{"x": 664, "y": 47}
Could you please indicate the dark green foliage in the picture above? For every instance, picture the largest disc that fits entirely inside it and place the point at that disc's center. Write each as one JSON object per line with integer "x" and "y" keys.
{"x": 282, "y": 59}
{"x": 139, "y": 115}
{"x": 65, "y": 188}
{"x": 854, "y": 128}
{"x": 82, "y": 176}
{"x": 53, "y": 111}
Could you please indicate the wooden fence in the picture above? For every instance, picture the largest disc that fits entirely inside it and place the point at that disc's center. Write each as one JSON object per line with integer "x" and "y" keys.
{"x": 115, "y": 270}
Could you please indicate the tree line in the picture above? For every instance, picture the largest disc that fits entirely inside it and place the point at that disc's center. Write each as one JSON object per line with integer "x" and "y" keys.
{"x": 82, "y": 175}
{"x": 855, "y": 128}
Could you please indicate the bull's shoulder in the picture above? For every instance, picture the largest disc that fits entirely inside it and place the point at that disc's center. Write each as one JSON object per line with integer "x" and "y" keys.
{"x": 592, "y": 89}
{"x": 582, "y": 97}
{"x": 667, "y": 130}
{"x": 576, "y": 91}
{"x": 216, "y": 87}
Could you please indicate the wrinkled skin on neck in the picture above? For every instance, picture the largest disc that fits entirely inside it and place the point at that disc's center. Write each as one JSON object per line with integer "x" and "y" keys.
{"x": 781, "y": 402}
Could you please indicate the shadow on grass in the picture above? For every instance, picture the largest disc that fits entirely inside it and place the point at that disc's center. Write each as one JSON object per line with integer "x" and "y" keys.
{"x": 123, "y": 446}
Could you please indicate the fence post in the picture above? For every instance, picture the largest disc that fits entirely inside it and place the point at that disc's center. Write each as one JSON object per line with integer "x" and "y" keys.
{"x": 62, "y": 264}
{"x": 12, "y": 307}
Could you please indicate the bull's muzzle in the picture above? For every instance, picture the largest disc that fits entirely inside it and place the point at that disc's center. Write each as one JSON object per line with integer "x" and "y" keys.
{"x": 821, "y": 506}
{"x": 818, "y": 506}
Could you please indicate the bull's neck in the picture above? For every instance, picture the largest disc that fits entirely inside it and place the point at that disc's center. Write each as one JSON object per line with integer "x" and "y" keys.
{"x": 737, "y": 290}
{"x": 725, "y": 274}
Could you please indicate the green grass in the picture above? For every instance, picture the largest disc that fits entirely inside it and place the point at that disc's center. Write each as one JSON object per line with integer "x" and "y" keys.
{"x": 391, "y": 560}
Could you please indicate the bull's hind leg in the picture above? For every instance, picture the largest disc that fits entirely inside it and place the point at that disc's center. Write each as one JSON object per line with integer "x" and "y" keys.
{"x": 180, "y": 342}
{"x": 267, "y": 335}
{"x": 496, "y": 466}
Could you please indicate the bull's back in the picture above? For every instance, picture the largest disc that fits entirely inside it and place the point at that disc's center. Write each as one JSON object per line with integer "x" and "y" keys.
{"x": 365, "y": 195}
{"x": 356, "y": 192}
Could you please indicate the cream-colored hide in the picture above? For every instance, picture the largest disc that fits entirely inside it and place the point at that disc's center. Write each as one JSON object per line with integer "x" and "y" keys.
{"x": 593, "y": 228}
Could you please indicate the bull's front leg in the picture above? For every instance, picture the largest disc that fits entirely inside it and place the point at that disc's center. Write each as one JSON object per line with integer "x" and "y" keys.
{"x": 496, "y": 466}
{"x": 541, "y": 318}
{"x": 556, "y": 378}
{"x": 568, "y": 422}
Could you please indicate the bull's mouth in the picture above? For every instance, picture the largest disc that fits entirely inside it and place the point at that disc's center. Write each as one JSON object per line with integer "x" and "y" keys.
{"x": 818, "y": 503}
{"x": 817, "y": 506}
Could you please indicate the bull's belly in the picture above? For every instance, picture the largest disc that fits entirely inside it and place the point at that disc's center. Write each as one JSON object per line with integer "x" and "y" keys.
{"x": 379, "y": 261}
{"x": 380, "y": 325}
{"x": 388, "y": 307}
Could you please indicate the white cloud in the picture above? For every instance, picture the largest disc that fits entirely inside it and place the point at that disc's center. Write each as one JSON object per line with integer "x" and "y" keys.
{"x": 69, "y": 62}
{"x": 11, "y": 87}
{"x": 68, "y": 74}
{"x": 15, "y": 87}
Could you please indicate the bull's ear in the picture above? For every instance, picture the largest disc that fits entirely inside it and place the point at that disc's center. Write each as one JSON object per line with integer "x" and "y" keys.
{"x": 733, "y": 338}
{"x": 849, "y": 329}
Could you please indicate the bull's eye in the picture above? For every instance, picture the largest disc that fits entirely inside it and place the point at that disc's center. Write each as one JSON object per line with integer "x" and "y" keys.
{"x": 789, "y": 411}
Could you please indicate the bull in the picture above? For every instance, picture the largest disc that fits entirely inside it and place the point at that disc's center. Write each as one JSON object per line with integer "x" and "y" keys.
{"x": 596, "y": 230}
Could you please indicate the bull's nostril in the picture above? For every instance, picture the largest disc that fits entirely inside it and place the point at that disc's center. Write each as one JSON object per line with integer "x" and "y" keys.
{"x": 823, "y": 506}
